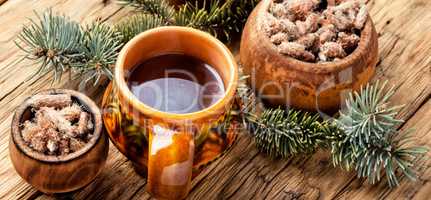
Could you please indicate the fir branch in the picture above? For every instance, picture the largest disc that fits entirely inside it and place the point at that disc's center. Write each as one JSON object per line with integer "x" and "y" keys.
{"x": 60, "y": 44}
{"x": 392, "y": 156}
{"x": 209, "y": 16}
{"x": 368, "y": 140}
{"x": 277, "y": 132}
{"x": 53, "y": 42}
{"x": 138, "y": 23}
{"x": 241, "y": 10}
{"x": 342, "y": 151}
{"x": 368, "y": 115}
{"x": 284, "y": 134}
{"x": 371, "y": 151}
{"x": 219, "y": 18}
{"x": 160, "y": 8}
{"x": 100, "y": 50}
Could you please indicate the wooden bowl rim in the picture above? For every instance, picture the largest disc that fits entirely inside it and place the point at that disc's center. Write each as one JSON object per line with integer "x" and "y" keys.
{"x": 319, "y": 68}
{"x": 21, "y": 145}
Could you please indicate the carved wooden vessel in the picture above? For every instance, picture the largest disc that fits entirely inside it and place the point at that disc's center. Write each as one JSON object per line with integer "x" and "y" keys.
{"x": 65, "y": 173}
{"x": 283, "y": 80}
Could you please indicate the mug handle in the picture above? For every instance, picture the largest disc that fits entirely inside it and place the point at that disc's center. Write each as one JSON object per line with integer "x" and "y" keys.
{"x": 170, "y": 161}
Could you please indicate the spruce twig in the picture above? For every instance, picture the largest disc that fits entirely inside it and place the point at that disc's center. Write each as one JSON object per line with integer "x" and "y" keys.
{"x": 368, "y": 114}
{"x": 138, "y": 23}
{"x": 364, "y": 138}
{"x": 220, "y": 18}
{"x": 281, "y": 133}
{"x": 371, "y": 142}
{"x": 100, "y": 50}
{"x": 53, "y": 43}
{"x": 153, "y": 7}
{"x": 59, "y": 44}
{"x": 211, "y": 18}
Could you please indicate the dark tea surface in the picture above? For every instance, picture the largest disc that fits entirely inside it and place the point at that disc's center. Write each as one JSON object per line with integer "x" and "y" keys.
{"x": 176, "y": 83}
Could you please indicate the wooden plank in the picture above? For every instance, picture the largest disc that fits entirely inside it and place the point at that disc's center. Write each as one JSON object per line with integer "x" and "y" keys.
{"x": 13, "y": 84}
{"x": 242, "y": 173}
{"x": 404, "y": 63}
{"x": 14, "y": 75}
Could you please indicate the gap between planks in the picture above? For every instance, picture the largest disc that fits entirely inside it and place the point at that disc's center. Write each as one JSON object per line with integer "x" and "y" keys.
{"x": 28, "y": 191}
{"x": 359, "y": 189}
{"x": 236, "y": 164}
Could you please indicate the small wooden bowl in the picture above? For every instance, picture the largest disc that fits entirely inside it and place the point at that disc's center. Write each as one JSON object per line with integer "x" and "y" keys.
{"x": 283, "y": 80}
{"x": 59, "y": 174}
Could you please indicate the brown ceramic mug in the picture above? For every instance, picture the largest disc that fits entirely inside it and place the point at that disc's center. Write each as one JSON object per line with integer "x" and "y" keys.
{"x": 171, "y": 137}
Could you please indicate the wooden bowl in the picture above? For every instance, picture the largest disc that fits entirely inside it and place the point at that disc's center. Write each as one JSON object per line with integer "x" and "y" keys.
{"x": 59, "y": 174}
{"x": 286, "y": 81}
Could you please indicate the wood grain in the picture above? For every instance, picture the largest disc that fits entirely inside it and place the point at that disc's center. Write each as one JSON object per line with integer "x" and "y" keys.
{"x": 407, "y": 190}
{"x": 404, "y": 29}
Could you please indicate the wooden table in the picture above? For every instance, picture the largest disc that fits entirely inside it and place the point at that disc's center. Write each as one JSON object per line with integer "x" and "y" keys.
{"x": 404, "y": 28}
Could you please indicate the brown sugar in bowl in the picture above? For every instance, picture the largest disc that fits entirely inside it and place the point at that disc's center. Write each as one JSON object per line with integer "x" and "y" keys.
{"x": 65, "y": 173}
{"x": 283, "y": 80}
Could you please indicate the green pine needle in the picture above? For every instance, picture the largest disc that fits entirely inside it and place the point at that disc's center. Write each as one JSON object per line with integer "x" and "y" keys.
{"x": 281, "y": 133}
{"x": 368, "y": 115}
{"x": 368, "y": 140}
{"x": 101, "y": 46}
{"x": 59, "y": 44}
{"x": 138, "y": 23}
{"x": 210, "y": 16}
{"x": 284, "y": 134}
{"x": 154, "y": 7}
{"x": 392, "y": 156}
{"x": 53, "y": 43}
{"x": 219, "y": 18}
{"x": 364, "y": 138}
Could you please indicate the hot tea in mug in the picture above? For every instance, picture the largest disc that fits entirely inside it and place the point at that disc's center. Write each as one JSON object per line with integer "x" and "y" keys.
{"x": 176, "y": 83}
